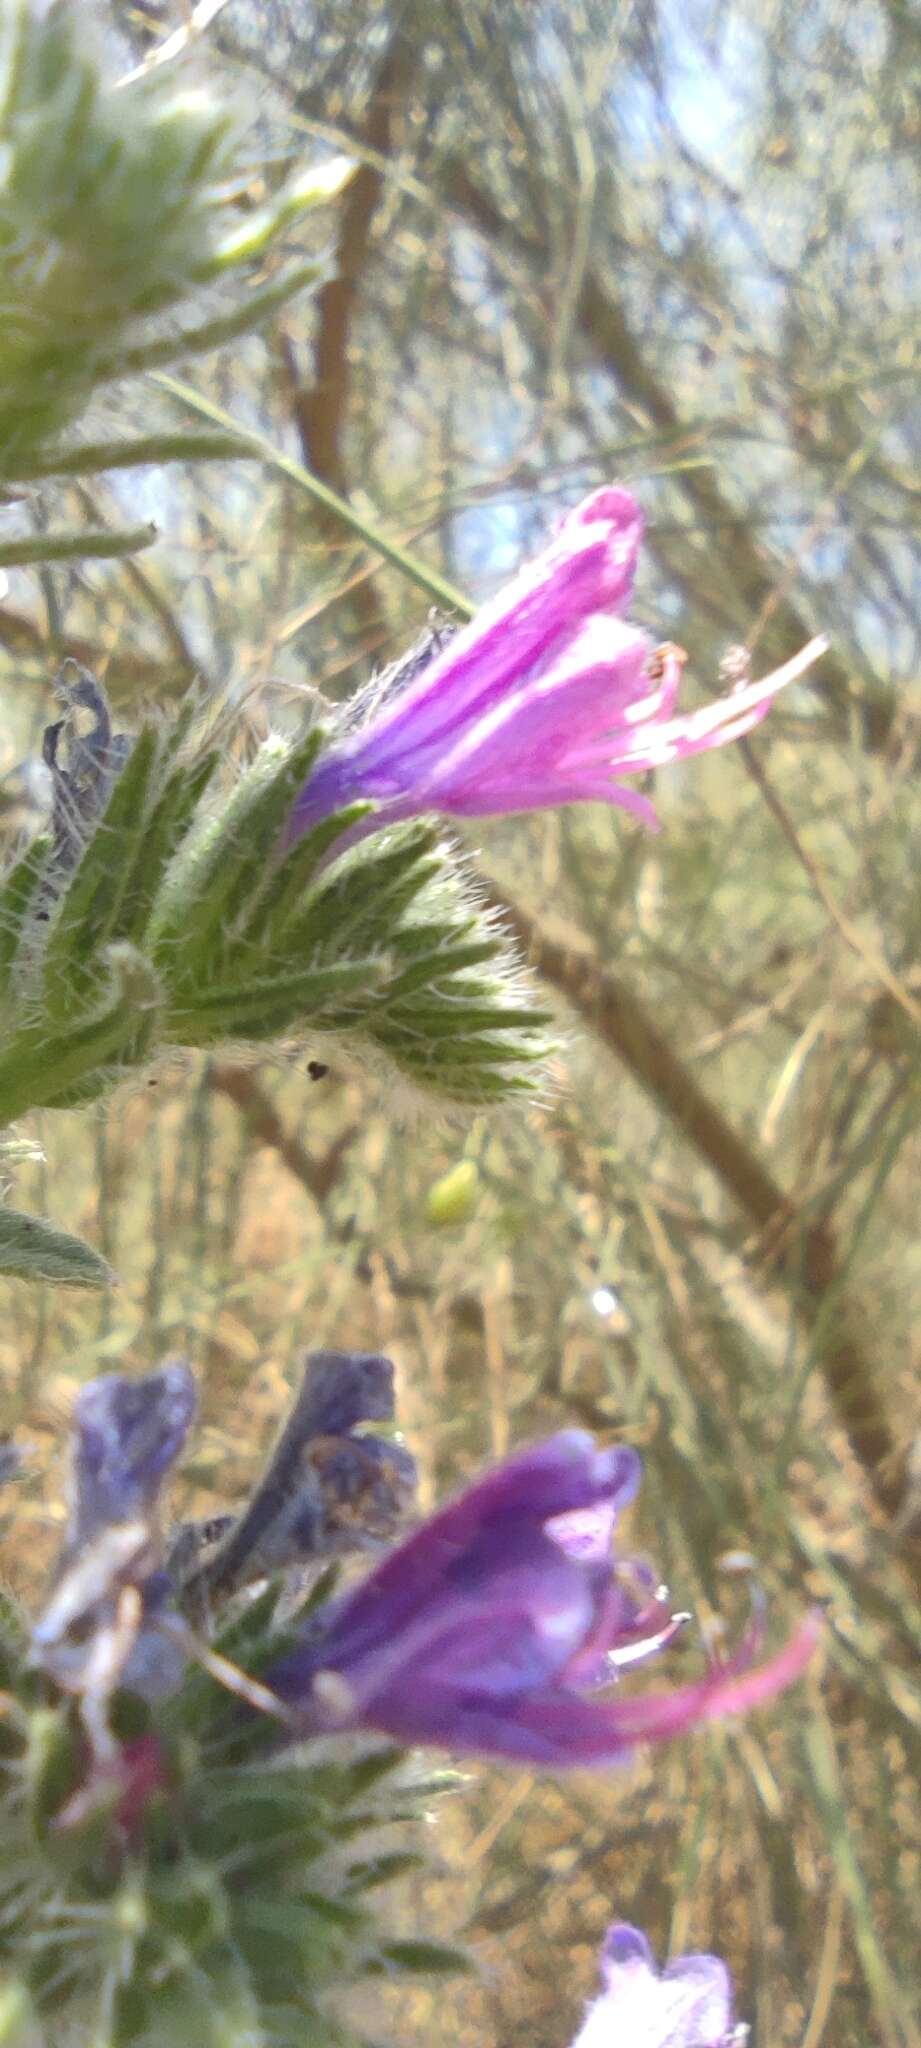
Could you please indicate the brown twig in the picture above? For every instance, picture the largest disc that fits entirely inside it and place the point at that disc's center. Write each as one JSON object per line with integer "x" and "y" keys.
{"x": 320, "y": 410}
{"x": 804, "y": 1250}
{"x": 318, "y": 1176}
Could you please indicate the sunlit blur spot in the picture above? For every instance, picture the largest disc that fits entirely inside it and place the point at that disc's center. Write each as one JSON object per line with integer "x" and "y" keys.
{"x": 738, "y": 1561}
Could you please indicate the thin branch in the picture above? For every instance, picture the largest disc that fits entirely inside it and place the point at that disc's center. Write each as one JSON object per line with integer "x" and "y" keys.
{"x": 805, "y": 1250}
{"x": 70, "y": 547}
{"x": 436, "y": 587}
{"x": 88, "y": 458}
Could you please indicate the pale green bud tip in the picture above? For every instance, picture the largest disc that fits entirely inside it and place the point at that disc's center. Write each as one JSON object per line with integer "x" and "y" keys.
{"x": 453, "y": 1199}
{"x": 18, "y": 2024}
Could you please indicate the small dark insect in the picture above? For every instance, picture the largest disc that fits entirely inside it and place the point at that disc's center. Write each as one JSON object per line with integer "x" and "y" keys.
{"x": 316, "y": 1070}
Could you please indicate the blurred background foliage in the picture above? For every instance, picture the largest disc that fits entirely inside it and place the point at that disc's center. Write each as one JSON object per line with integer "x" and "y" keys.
{"x": 677, "y": 244}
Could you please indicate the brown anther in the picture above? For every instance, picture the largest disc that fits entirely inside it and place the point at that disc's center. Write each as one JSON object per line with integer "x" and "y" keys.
{"x": 660, "y": 656}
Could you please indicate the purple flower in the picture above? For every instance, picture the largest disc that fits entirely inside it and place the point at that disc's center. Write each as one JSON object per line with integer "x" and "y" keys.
{"x": 127, "y": 1435}
{"x": 548, "y": 697}
{"x": 326, "y": 1488}
{"x": 493, "y": 1627}
{"x": 686, "y": 2005}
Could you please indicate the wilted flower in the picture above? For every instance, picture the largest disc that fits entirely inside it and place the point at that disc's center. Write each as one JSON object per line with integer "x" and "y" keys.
{"x": 127, "y": 1436}
{"x": 548, "y": 697}
{"x": 327, "y": 1489}
{"x": 491, "y": 1628}
{"x": 686, "y": 2005}
{"x": 329, "y": 1486}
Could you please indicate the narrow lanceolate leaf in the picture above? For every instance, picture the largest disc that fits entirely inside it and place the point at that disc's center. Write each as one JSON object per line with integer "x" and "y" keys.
{"x": 312, "y": 187}
{"x": 364, "y": 1877}
{"x": 269, "y": 1008}
{"x": 448, "y": 1021}
{"x": 379, "y": 884}
{"x": 434, "y": 966}
{"x": 17, "y": 894}
{"x": 281, "y": 900}
{"x": 260, "y": 305}
{"x": 422, "y": 1958}
{"x": 167, "y": 826}
{"x": 87, "y": 915}
{"x": 39, "y": 1067}
{"x": 223, "y": 863}
{"x": 31, "y": 1249}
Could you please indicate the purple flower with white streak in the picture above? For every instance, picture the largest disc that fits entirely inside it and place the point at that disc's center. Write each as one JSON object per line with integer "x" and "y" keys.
{"x": 492, "y": 1630}
{"x": 550, "y": 696}
{"x": 686, "y": 2005}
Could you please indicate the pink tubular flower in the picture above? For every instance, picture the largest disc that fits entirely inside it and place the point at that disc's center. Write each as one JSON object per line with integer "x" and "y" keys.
{"x": 494, "y": 1628}
{"x": 686, "y": 2005}
{"x": 548, "y": 697}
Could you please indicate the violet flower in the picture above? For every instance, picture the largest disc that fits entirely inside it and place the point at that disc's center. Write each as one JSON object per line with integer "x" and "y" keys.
{"x": 128, "y": 1434}
{"x": 686, "y": 2005}
{"x": 491, "y": 1630}
{"x": 326, "y": 1489}
{"x": 548, "y": 697}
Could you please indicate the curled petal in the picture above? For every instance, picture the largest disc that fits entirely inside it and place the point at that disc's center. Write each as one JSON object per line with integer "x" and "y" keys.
{"x": 686, "y": 2005}
{"x": 127, "y": 1434}
{"x": 491, "y": 1630}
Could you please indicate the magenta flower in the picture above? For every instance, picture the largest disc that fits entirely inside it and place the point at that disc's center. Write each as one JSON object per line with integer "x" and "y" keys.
{"x": 686, "y": 2005}
{"x": 493, "y": 1628}
{"x": 548, "y": 697}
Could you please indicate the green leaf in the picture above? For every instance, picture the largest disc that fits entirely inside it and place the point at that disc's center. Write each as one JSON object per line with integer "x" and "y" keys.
{"x": 17, "y": 894}
{"x": 282, "y": 899}
{"x": 267, "y": 1009}
{"x": 260, "y": 305}
{"x": 372, "y": 886}
{"x": 166, "y": 828}
{"x": 454, "y": 1018}
{"x": 37, "y": 1067}
{"x": 87, "y": 913}
{"x": 312, "y": 187}
{"x": 369, "y": 1770}
{"x": 422, "y": 1958}
{"x": 222, "y": 865}
{"x": 31, "y": 1249}
{"x": 434, "y": 967}
{"x": 80, "y": 545}
{"x": 377, "y": 1870}
{"x": 353, "y": 520}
